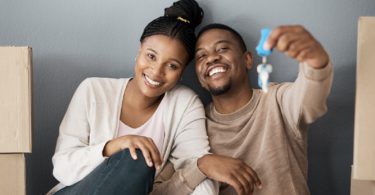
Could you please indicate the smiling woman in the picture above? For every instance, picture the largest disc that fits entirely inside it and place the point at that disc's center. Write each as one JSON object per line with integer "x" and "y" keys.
{"x": 159, "y": 65}
{"x": 117, "y": 134}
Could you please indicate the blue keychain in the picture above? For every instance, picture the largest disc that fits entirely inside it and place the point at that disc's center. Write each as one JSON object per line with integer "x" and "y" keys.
{"x": 263, "y": 69}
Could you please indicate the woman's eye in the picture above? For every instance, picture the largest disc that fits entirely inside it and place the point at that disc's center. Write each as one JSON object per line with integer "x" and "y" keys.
{"x": 173, "y": 66}
{"x": 151, "y": 56}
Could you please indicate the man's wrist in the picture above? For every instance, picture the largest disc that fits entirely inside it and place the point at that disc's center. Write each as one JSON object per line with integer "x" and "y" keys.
{"x": 201, "y": 163}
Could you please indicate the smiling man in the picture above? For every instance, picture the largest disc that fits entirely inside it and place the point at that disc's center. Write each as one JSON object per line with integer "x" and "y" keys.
{"x": 267, "y": 131}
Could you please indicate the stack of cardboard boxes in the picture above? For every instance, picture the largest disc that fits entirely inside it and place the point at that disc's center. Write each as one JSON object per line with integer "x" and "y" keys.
{"x": 15, "y": 118}
{"x": 363, "y": 170}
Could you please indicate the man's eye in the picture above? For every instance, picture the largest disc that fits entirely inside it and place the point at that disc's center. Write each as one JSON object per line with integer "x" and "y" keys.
{"x": 222, "y": 49}
{"x": 200, "y": 56}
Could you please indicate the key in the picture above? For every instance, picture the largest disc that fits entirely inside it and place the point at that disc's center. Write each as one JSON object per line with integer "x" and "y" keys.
{"x": 264, "y": 69}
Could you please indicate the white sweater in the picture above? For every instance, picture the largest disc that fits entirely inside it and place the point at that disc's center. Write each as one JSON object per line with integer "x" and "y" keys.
{"x": 92, "y": 119}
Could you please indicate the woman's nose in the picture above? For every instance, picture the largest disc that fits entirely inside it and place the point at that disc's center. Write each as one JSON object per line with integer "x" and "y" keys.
{"x": 158, "y": 69}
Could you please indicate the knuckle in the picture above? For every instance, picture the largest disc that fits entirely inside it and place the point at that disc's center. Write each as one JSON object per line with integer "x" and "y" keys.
{"x": 241, "y": 188}
{"x": 282, "y": 27}
{"x": 231, "y": 177}
{"x": 299, "y": 27}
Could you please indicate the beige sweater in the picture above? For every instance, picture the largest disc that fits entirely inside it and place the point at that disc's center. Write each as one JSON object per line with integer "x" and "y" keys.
{"x": 270, "y": 132}
{"x": 92, "y": 119}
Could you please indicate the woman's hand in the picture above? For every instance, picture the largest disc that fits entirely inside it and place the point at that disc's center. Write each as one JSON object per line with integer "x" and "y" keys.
{"x": 133, "y": 142}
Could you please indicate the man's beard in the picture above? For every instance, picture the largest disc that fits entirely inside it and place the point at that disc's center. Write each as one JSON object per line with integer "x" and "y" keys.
{"x": 219, "y": 90}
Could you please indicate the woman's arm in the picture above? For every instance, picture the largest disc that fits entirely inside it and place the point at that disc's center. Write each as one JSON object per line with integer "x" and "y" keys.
{"x": 74, "y": 156}
{"x": 190, "y": 142}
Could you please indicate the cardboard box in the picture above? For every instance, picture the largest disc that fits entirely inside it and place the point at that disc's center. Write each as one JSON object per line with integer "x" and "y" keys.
{"x": 364, "y": 135}
{"x": 15, "y": 99}
{"x": 362, "y": 187}
{"x": 12, "y": 171}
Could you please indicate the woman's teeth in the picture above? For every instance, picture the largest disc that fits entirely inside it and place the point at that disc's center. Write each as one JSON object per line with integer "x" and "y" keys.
{"x": 152, "y": 82}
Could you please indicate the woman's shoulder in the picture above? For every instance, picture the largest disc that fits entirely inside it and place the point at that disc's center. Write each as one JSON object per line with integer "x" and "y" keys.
{"x": 101, "y": 83}
{"x": 181, "y": 91}
{"x": 183, "y": 96}
{"x": 96, "y": 88}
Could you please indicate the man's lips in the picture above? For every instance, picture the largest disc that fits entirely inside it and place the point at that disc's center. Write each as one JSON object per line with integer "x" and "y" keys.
{"x": 215, "y": 69}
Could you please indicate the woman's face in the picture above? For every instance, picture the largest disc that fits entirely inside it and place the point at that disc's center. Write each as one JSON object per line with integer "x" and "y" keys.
{"x": 159, "y": 64}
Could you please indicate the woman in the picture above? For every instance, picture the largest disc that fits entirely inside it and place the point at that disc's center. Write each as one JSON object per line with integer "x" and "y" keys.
{"x": 117, "y": 131}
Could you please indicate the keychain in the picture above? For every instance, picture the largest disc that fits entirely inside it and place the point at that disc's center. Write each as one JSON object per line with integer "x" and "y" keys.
{"x": 264, "y": 69}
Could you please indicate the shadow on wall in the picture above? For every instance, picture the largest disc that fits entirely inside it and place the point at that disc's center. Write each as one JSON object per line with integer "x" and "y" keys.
{"x": 330, "y": 148}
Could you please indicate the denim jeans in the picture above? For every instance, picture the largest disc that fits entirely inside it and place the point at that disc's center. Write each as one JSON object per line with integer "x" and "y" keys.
{"x": 119, "y": 174}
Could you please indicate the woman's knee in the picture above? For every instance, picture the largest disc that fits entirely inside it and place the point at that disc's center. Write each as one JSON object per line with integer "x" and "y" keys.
{"x": 138, "y": 166}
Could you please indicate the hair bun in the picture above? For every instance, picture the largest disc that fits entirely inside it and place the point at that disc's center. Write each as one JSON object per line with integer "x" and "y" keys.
{"x": 187, "y": 11}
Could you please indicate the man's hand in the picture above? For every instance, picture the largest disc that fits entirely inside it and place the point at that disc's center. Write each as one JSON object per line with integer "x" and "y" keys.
{"x": 298, "y": 43}
{"x": 231, "y": 171}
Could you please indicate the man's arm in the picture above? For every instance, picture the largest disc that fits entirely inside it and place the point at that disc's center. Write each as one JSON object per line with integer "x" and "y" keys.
{"x": 218, "y": 168}
{"x": 304, "y": 100}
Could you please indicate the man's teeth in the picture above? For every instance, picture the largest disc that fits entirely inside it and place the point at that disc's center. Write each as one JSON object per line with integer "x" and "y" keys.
{"x": 152, "y": 82}
{"x": 216, "y": 70}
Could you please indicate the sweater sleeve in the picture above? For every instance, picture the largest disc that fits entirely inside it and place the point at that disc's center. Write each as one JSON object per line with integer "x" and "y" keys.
{"x": 74, "y": 157}
{"x": 304, "y": 100}
{"x": 190, "y": 143}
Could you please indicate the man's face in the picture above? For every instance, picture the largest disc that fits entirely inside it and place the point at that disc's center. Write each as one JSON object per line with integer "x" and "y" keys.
{"x": 220, "y": 63}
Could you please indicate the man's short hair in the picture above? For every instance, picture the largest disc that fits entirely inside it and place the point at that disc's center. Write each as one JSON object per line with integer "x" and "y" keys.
{"x": 227, "y": 28}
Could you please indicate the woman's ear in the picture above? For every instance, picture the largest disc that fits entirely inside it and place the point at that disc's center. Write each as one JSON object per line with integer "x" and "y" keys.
{"x": 138, "y": 52}
{"x": 248, "y": 60}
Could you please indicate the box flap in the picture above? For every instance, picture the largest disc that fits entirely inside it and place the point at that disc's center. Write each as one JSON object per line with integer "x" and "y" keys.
{"x": 364, "y": 135}
{"x": 15, "y": 102}
{"x": 13, "y": 174}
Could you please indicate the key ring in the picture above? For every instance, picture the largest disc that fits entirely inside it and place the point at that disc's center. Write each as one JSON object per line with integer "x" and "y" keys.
{"x": 264, "y": 69}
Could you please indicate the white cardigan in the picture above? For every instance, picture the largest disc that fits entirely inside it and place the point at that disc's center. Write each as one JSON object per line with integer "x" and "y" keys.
{"x": 92, "y": 119}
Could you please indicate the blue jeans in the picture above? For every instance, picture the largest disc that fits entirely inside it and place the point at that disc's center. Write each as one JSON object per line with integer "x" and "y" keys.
{"x": 119, "y": 174}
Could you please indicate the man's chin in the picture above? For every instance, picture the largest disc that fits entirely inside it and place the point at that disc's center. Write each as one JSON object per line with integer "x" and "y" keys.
{"x": 219, "y": 90}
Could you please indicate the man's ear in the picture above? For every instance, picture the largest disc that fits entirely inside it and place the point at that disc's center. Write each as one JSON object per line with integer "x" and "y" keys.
{"x": 248, "y": 60}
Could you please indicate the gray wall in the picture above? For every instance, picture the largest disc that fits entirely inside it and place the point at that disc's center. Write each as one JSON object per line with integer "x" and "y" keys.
{"x": 73, "y": 40}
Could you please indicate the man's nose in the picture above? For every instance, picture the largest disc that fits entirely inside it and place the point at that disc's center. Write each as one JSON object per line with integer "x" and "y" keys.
{"x": 212, "y": 58}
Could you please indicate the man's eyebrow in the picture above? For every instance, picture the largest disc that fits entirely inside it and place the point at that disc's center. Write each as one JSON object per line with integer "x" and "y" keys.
{"x": 218, "y": 42}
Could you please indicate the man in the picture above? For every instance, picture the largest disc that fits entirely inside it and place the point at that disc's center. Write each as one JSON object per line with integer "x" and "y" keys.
{"x": 254, "y": 135}
{"x": 268, "y": 131}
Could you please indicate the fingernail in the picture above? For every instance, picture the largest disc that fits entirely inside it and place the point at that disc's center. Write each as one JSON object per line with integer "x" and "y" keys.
{"x": 149, "y": 163}
{"x": 266, "y": 46}
{"x": 260, "y": 186}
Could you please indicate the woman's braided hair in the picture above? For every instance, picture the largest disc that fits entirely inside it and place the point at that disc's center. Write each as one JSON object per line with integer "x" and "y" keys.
{"x": 179, "y": 22}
